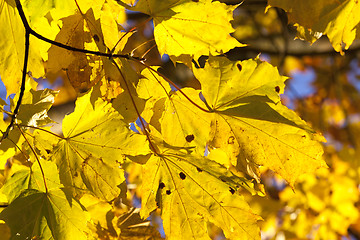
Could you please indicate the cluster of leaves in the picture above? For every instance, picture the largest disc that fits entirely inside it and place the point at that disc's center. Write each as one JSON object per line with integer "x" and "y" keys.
{"x": 199, "y": 149}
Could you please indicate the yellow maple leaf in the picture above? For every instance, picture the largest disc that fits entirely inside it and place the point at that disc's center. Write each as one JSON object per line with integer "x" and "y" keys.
{"x": 190, "y": 28}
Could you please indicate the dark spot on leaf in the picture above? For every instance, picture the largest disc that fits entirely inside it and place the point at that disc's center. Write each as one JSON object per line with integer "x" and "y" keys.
{"x": 168, "y": 192}
{"x": 303, "y": 136}
{"x": 189, "y": 138}
{"x": 48, "y": 151}
{"x": 195, "y": 63}
{"x": 96, "y": 38}
{"x": 232, "y": 190}
{"x": 277, "y": 89}
{"x": 199, "y": 169}
{"x": 195, "y": 0}
{"x": 231, "y": 140}
{"x": 161, "y": 185}
{"x": 239, "y": 66}
{"x": 76, "y": 174}
{"x": 182, "y": 175}
{"x": 223, "y": 180}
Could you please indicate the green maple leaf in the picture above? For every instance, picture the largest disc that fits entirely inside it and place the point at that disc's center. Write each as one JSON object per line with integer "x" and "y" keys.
{"x": 191, "y": 28}
{"x": 40, "y": 215}
{"x": 94, "y": 144}
{"x": 32, "y": 179}
{"x": 339, "y": 20}
{"x": 192, "y": 191}
{"x": 250, "y": 124}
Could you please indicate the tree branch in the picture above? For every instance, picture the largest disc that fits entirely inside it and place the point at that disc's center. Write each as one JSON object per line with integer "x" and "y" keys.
{"x": 61, "y": 45}
{"x": 22, "y": 87}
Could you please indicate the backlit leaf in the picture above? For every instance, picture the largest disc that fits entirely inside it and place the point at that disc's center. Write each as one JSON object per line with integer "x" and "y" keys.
{"x": 192, "y": 28}
{"x": 95, "y": 143}
{"x": 226, "y": 84}
{"x": 192, "y": 191}
{"x": 34, "y": 107}
{"x": 32, "y": 179}
{"x": 12, "y": 45}
{"x": 36, "y": 214}
{"x": 192, "y": 125}
{"x": 251, "y": 125}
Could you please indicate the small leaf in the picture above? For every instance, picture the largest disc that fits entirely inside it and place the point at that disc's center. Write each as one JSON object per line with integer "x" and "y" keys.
{"x": 34, "y": 107}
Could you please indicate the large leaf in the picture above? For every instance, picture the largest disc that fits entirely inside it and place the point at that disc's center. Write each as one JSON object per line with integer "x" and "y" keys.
{"x": 192, "y": 28}
{"x": 94, "y": 144}
{"x": 193, "y": 191}
{"x": 250, "y": 124}
{"x": 339, "y": 20}
{"x": 38, "y": 215}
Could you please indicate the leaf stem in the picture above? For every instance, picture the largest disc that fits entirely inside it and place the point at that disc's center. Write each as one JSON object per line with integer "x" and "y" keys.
{"x": 37, "y": 158}
{"x": 136, "y": 109}
{"x": 42, "y": 129}
{"x": 171, "y": 82}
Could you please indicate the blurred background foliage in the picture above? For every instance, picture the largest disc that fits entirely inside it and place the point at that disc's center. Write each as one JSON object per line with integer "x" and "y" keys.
{"x": 323, "y": 88}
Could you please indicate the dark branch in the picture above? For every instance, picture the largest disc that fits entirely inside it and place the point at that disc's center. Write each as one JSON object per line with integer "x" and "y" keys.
{"x": 22, "y": 87}
{"x": 39, "y": 36}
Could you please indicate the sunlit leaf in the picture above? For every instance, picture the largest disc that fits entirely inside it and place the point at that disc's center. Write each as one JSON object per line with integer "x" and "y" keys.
{"x": 192, "y": 191}
{"x": 36, "y": 214}
{"x": 249, "y": 122}
{"x": 32, "y": 179}
{"x": 34, "y": 107}
{"x": 192, "y": 28}
{"x": 10, "y": 145}
{"x": 95, "y": 143}
{"x": 227, "y": 84}
{"x": 192, "y": 124}
{"x": 12, "y": 45}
